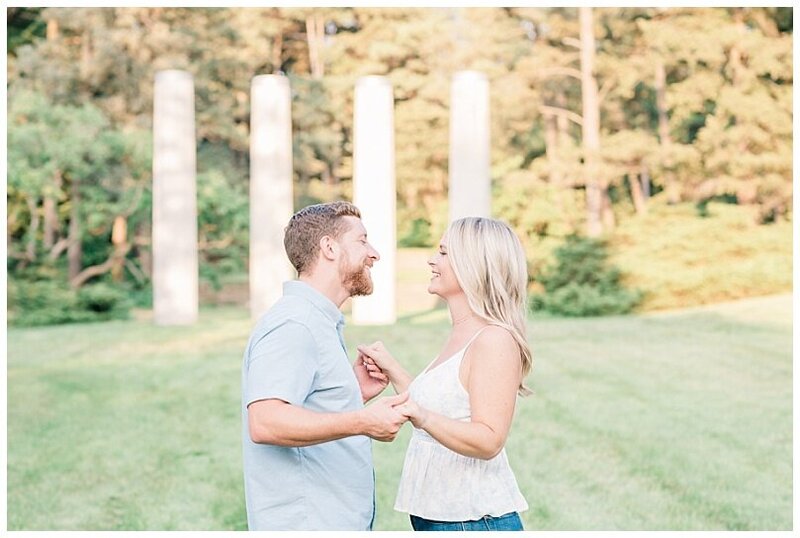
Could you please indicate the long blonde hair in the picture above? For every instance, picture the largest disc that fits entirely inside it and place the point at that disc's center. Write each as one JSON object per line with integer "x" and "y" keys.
{"x": 489, "y": 263}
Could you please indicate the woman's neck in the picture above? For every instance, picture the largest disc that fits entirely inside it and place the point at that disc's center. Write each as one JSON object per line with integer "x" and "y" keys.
{"x": 462, "y": 316}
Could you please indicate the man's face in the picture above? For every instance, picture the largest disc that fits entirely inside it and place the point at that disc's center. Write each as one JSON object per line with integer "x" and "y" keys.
{"x": 358, "y": 256}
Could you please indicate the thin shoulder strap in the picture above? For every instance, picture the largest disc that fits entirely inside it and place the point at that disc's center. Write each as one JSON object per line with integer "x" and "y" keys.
{"x": 460, "y": 352}
{"x": 474, "y": 336}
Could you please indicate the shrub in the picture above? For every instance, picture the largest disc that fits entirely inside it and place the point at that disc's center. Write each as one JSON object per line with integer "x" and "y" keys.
{"x": 581, "y": 283}
{"x": 103, "y": 301}
{"x": 418, "y": 236}
{"x": 39, "y": 302}
{"x": 47, "y": 302}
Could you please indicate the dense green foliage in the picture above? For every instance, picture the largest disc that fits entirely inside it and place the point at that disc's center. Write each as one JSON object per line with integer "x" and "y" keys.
{"x": 695, "y": 105}
{"x": 48, "y": 303}
{"x": 24, "y": 25}
{"x": 581, "y": 283}
{"x": 674, "y": 421}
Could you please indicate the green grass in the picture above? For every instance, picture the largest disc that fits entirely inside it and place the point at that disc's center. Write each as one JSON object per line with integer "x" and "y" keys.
{"x": 675, "y": 420}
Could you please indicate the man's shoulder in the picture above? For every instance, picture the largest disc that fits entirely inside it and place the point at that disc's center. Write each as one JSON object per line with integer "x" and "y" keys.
{"x": 286, "y": 310}
{"x": 287, "y": 321}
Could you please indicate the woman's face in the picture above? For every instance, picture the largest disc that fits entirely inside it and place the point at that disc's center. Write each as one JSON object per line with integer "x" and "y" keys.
{"x": 443, "y": 280}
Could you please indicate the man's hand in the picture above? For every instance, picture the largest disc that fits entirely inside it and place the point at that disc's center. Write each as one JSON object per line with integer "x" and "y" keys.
{"x": 381, "y": 420}
{"x": 370, "y": 383}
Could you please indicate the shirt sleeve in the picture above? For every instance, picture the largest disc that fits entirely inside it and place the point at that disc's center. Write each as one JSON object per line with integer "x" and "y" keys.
{"x": 282, "y": 365}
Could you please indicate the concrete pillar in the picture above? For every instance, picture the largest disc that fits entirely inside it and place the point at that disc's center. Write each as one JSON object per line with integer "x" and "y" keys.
{"x": 374, "y": 193}
{"x": 470, "y": 188}
{"x": 271, "y": 201}
{"x": 175, "y": 273}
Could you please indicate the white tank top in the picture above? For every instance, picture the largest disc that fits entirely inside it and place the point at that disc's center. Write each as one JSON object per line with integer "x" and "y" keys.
{"x": 440, "y": 484}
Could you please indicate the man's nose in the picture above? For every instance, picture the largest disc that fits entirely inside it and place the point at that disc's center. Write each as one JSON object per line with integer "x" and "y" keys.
{"x": 374, "y": 253}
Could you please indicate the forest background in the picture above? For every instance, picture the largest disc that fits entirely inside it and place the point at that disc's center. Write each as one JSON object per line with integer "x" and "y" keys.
{"x": 671, "y": 144}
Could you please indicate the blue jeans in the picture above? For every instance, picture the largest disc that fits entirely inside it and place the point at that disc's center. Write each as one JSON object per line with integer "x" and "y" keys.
{"x": 507, "y": 522}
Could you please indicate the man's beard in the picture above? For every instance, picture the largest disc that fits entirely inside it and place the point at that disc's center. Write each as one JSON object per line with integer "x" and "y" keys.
{"x": 357, "y": 280}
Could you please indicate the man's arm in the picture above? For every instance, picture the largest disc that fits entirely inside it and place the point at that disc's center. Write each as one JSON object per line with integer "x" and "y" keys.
{"x": 276, "y": 422}
{"x": 280, "y": 374}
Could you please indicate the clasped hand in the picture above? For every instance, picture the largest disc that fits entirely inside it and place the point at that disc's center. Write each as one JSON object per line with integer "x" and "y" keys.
{"x": 406, "y": 406}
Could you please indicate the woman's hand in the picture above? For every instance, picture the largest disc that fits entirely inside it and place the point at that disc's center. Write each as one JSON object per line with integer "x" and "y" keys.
{"x": 379, "y": 362}
{"x": 416, "y": 414}
{"x": 378, "y": 355}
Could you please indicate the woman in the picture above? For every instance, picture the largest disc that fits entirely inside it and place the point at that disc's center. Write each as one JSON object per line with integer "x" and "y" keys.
{"x": 456, "y": 474}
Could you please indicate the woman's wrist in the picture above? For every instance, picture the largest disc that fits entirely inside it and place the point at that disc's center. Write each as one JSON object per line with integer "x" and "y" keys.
{"x": 396, "y": 373}
{"x": 421, "y": 419}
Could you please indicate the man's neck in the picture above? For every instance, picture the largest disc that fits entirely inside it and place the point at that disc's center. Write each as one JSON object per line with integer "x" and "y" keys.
{"x": 329, "y": 286}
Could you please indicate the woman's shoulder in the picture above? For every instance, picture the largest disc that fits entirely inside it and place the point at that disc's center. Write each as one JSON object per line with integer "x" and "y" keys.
{"x": 492, "y": 333}
{"x": 493, "y": 353}
{"x": 494, "y": 340}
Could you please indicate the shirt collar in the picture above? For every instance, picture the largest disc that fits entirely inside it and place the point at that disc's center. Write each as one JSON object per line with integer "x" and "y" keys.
{"x": 303, "y": 290}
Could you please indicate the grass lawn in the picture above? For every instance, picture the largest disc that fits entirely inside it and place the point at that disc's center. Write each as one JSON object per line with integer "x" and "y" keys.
{"x": 673, "y": 420}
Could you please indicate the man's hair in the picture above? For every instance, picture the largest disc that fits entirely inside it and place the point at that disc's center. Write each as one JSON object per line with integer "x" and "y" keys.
{"x": 309, "y": 225}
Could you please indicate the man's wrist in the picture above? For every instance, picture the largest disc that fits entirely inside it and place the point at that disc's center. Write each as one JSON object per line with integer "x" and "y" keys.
{"x": 355, "y": 422}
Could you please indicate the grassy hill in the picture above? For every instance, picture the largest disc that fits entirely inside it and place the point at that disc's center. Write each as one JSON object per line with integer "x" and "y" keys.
{"x": 671, "y": 420}
{"x": 682, "y": 260}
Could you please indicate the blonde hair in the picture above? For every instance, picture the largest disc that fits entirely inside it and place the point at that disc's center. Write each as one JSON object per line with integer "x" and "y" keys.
{"x": 489, "y": 263}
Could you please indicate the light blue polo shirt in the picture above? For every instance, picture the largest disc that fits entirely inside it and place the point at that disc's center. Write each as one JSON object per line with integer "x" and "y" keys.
{"x": 296, "y": 353}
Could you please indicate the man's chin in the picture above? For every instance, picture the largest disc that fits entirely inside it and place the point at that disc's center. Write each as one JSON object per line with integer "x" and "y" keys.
{"x": 363, "y": 291}
{"x": 360, "y": 293}
{"x": 361, "y": 288}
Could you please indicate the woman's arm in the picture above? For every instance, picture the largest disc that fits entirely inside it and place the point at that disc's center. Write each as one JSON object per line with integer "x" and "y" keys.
{"x": 491, "y": 373}
{"x": 378, "y": 359}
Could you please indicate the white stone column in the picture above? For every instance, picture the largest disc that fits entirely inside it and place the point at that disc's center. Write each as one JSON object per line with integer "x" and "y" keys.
{"x": 374, "y": 193}
{"x": 175, "y": 272}
{"x": 271, "y": 201}
{"x": 470, "y": 188}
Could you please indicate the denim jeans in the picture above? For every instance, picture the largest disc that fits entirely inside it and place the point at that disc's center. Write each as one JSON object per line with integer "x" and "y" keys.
{"x": 507, "y": 522}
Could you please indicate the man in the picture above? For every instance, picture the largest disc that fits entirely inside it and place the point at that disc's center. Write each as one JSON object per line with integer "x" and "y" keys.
{"x": 306, "y": 432}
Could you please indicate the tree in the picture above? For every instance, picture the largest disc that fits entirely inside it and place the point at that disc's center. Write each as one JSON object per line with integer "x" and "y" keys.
{"x": 687, "y": 104}
{"x": 595, "y": 191}
{"x": 726, "y": 98}
{"x": 74, "y": 143}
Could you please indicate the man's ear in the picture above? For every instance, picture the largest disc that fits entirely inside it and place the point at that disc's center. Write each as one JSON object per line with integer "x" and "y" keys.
{"x": 329, "y": 247}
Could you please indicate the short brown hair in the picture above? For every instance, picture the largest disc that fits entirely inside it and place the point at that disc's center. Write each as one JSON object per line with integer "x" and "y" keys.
{"x": 309, "y": 225}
